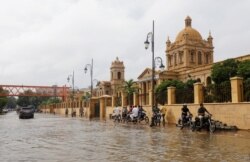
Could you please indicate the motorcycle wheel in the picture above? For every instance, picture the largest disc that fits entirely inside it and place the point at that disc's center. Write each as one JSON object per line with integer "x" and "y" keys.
{"x": 212, "y": 128}
{"x": 146, "y": 120}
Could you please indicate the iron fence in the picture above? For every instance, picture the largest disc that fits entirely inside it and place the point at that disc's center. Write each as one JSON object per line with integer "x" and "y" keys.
{"x": 217, "y": 93}
{"x": 246, "y": 90}
{"x": 161, "y": 97}
{"x": 184, "y": 95}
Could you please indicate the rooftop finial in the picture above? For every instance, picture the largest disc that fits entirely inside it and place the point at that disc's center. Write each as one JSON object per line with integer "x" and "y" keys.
{"x": 188, "y": 21}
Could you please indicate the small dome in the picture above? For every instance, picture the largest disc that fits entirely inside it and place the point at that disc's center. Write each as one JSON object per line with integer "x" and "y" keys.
{"x": 188, "y": 31}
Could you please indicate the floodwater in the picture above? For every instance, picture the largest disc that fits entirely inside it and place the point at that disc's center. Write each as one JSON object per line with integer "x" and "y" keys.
{"x": 53, "y": 138}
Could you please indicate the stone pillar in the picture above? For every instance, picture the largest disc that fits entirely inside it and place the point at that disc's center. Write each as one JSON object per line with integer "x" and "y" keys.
{"x": 113, "y": 101}
{"x": 135, "y": 98}
{"x": 102, "y": 108}
{"x": 150, "y": 97}
{"x": 198, "y": 93}
{"x": 124, "y": 99}
{"x": 236, "y": 89}
{"x": 171, "y": 95}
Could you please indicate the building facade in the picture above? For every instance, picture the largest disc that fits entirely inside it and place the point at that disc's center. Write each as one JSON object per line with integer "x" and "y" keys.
{"x": 189, "y": 56}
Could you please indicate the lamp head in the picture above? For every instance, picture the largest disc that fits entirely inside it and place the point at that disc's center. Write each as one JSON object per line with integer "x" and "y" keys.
{"x": 85, "y": 69}
{"x": 162, "y": 66}
{"x": 146, "y": 44}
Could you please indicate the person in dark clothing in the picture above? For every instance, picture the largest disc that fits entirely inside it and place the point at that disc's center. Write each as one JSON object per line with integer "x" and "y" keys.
{"x": 201, "y": 114}
{"x": 202, "y": 110}
{"x": 184, "y": 113}
{"x": 156, "y": 111}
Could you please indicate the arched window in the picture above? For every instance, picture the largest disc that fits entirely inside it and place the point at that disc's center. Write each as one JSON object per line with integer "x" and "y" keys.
{"x": 209, "y": 80}
{"x": 198, "y": 80}
{"x": 175, "y": 59}
{"x": 192, "y": 56}
{"x": 199, "y": 58}
{"x": 207, "y": 58}
{"x": 119, "y": 75}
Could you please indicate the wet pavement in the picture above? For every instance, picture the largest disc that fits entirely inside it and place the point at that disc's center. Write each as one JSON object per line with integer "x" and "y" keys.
{"x": 53, "y": 138}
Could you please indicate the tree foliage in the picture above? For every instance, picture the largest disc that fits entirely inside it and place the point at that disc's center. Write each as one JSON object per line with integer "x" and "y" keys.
{"x": 244, "y": 69}
{"x": 129, "y": 87}
{"x": 35, "y": 100}
{"x": 11, "y": 102}
{"x": 161, "y": 89}
{"x": 223, "y": 71}
{"x": 3, "y": 100}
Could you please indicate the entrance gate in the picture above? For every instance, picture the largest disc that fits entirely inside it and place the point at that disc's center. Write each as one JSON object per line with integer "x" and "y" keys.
{"x": 97, "y": 110}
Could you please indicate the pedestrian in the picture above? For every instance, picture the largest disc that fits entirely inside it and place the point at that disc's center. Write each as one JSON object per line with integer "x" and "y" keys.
{"x": 81, "y": 111}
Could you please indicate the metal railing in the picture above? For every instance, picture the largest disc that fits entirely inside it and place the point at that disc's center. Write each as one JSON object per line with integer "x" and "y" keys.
{"x": 184, "y": 95}
{"x": 217, "y": 93}
{"x": 246, "y": 90}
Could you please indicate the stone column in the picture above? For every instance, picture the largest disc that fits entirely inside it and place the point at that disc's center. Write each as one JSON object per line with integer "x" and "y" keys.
{"x": 113, "y": 101}
{"x": 236, "y": 89}
{"x": 150, "y": 97}
{"x": 102, "y": 108}
{"x": 171, "y": 95}
{"x": 198, "y": 93}
{"x": 124, "y": 99}
{"x": 135, "y": 98}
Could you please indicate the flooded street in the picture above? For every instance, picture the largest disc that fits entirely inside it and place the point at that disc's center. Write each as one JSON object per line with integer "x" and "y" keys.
{"x": 55, "y": 139}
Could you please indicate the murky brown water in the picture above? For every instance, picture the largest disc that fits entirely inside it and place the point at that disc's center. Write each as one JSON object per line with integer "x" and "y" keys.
{"x": 52, "y": 139}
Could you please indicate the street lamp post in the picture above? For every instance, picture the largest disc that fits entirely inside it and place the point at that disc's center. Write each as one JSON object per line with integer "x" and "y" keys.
{"x": 72, "y": 77}
{"x": 159, "y": 60}
{"x": 154, "y": 59}
{"x": 90, "y": 66}
{"x": 151, "y": 34}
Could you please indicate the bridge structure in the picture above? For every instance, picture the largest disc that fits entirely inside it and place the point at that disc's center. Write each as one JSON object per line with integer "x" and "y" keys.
{"x": 40, "y": 91}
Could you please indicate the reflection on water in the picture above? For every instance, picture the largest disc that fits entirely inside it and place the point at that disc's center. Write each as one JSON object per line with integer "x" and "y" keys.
{"x": 54, "y": 138}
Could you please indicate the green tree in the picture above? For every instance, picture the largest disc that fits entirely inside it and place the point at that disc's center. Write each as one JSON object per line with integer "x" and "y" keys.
{"x": 11, "y": 102}
{"x": 27, "y": 99}
{"x": 130, "y": 87}
{"x": 223, "y": 71}
{"x": 244, "y": 69}
{"x": 86, "y": 96}
{"x": 161, "y": 89}
{"x": 3, "y": 99}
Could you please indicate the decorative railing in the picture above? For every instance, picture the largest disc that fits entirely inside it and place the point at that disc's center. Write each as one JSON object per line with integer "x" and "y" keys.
{"x": 246, "y": 90}
{"x": 217, "y": 93}
{"x": 184, "y": 95}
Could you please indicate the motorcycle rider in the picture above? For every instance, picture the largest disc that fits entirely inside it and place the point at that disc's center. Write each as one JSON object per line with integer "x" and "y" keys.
{"x": 163, "y": 113}
{"x": 116, "y": 111}
{"x": 134, "y": 113}
{"x": 185, "y": 113}
{"x": 156, "y": 111}
{"x": 201, "y": 114}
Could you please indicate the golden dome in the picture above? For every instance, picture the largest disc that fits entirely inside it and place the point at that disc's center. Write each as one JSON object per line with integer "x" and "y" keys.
{"x": 188, "y": 32}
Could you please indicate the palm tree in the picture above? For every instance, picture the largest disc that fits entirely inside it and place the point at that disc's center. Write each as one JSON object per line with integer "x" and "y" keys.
{"x": 130, "y": 87}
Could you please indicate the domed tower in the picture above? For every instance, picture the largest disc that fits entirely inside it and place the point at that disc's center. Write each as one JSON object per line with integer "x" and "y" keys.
{"x": 117, "y": 75}
{"x": 189, "y": 50}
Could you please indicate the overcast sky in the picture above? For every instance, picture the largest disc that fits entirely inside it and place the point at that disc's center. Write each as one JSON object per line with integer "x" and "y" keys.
{"x": 43, "y": 41}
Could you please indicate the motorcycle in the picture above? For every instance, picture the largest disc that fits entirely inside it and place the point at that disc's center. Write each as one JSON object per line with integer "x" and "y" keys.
{"x": 128, "y": 119}
{"x": 202, "y": 122}
{"x": 143, "y": 116}
{"x": 117, "y": 118}
{"x": 185, "y": 121}
{"x": 156, "y": 119}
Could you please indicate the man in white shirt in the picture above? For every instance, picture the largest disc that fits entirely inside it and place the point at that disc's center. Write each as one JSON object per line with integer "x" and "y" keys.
{"x": 135, "y": 111}
{"x": 116, "y": 111}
